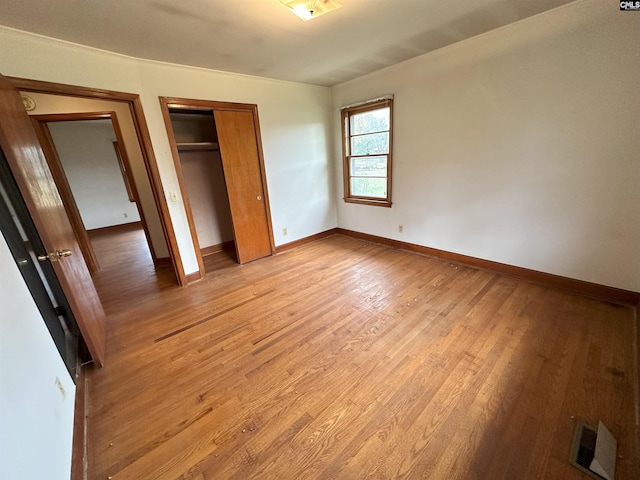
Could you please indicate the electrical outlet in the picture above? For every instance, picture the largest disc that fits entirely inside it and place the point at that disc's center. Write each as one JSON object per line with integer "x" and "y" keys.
{"x": 173, "y": 195}
{"x": 400, "y": 229}
{"x": 284, "y": 232}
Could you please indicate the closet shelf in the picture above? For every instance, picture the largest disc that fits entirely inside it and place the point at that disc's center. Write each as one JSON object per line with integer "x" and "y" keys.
{"x": 196, "y": 146}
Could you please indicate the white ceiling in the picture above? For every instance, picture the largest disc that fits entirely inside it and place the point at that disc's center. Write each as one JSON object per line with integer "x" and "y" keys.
{"x": 262, "y": 37}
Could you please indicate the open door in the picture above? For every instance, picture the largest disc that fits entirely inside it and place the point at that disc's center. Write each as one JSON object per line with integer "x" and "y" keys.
{"x": 24, "y": 155}
{"x": 237, "y": 137}
{"x": 64, "y": 189}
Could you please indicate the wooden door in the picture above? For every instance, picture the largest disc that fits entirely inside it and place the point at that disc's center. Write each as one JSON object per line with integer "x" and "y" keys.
{"x": 24, "y": 155}
{"x": 238, "y": 141}
{"x": 23, "y": 241}
{"x": 64, "y": 189}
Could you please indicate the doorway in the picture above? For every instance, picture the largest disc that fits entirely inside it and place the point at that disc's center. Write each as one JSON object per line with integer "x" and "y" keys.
{"x": 88, "y": 158}
{"x": 60, "y": 98}
{"x": 217, "y": 153}
{"x": 201, "y": 167}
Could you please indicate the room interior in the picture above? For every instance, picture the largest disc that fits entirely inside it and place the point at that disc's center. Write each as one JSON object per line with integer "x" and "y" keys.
{"x": 515, "y": 179}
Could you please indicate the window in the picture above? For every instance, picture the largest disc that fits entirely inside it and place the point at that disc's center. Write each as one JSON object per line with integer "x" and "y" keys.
{"x": 366, "y": 147}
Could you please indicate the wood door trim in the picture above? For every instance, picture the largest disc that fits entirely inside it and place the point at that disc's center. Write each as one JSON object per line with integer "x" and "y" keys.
{"x": 120, "y": 149}
{"x": 151, "y": 164}
{"x": 70, "y": 117}
{"x": 68, "y": 200}
{"x": 144, "y": 139}
{"x": 41, "y": 86}
{"x": 166, "y": 115}
{"x": 206, "y": 105}
{"x": 167, "y": 103}
{"x": 263, "y": 174}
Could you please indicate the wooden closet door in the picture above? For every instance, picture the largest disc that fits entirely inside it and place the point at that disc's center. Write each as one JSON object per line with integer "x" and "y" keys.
{"x": 237, "y": 138}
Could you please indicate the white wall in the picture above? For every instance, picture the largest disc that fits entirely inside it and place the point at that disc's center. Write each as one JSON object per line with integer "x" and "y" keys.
{"x": 518, "y": 146}
{"x": 295, "y": 121}
{"x": 36, "y": 422}
{"x": 204, "y": 181}
{"x": 86, "y": 151}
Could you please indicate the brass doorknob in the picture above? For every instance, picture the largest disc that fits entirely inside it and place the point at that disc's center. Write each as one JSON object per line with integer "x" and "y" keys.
{"x": 55, "y": 256}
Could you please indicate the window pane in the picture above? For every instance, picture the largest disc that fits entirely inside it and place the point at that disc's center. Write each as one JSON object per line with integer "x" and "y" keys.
{"x": 370, "y": 144}
{"x": 367, "y": 136}
{"x": 369, "y": 187}
{"x": 373, "y": 121}
{"x": 369, "y": 166}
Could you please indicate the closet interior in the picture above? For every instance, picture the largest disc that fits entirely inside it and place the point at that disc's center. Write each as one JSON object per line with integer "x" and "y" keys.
{"x": 199, "y": 153}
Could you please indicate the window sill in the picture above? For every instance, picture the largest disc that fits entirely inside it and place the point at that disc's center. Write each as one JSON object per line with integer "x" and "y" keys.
{"x": 369, "y": 201}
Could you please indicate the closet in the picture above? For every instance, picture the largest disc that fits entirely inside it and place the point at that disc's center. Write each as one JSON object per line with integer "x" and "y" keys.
{"x": 201, "y": 165}
{"x": 218, "y": 157}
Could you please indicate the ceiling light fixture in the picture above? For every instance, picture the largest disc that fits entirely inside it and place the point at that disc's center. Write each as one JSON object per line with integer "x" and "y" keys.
{"x": 310, "y": 9}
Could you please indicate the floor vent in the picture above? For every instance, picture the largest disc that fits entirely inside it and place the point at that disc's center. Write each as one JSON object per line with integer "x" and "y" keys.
{"x": 594, "y": 451}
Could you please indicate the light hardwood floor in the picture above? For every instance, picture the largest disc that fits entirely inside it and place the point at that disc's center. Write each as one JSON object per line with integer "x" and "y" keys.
{"x": 343, "y": 359}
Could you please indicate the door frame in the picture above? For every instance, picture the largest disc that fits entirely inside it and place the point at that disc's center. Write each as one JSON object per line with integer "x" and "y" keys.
{"x": 210, "y": 106}
{"x": 57, "y": 169}
{"x": 144, "y": 139}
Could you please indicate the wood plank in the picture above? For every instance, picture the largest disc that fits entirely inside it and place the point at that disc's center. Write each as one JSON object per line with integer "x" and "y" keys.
{"x": 345, "y": 359}
{"x": 595, "y": 290}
